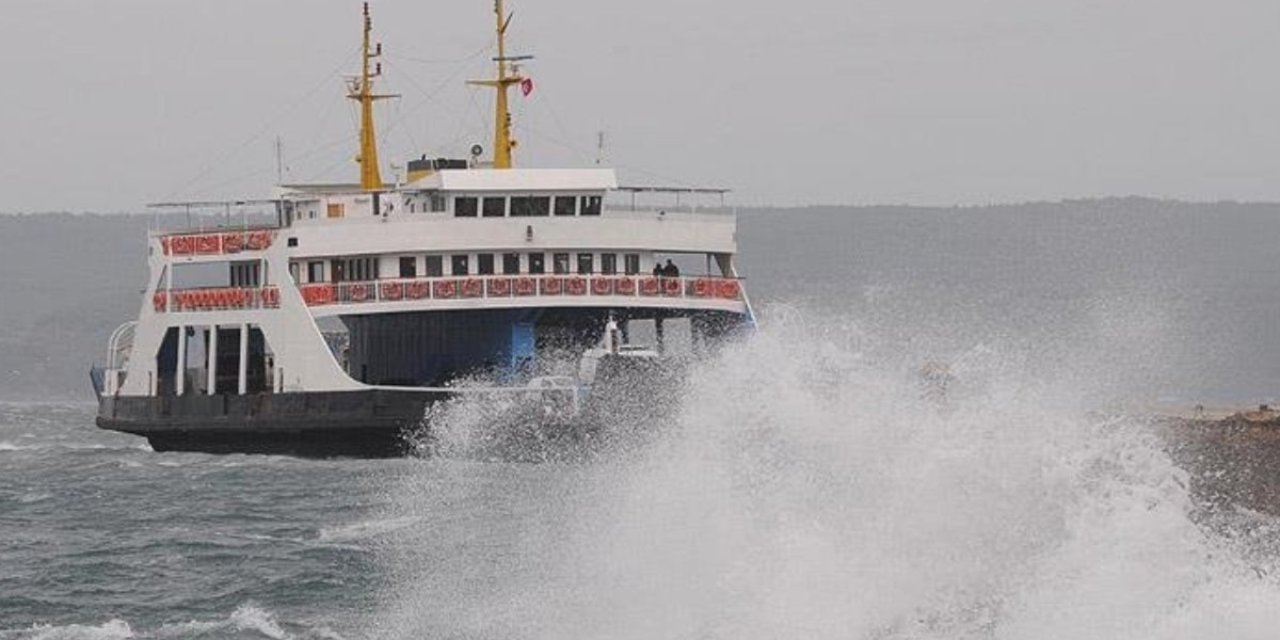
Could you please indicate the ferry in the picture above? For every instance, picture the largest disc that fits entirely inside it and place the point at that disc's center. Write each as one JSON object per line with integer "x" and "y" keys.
{"x": 335, "y": 328}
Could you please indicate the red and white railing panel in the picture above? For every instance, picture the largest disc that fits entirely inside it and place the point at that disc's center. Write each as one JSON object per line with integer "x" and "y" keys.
{"x": 524, "y": 286}
{"x": 213, "y": 244}
{"x": 216, "y": 299}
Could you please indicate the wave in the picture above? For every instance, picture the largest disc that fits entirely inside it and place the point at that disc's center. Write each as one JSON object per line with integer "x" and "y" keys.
{"x": 808, "y": 488}
{"x": 365, "y": 530}
{"x": 248, "y": 621}
{"x": 111, "y": 630}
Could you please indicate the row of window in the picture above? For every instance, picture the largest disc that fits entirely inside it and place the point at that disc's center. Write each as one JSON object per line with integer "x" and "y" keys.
{"x": 487, "y": 264}
{"x": 525, "y": 206}
{"x": 365, "y": 269}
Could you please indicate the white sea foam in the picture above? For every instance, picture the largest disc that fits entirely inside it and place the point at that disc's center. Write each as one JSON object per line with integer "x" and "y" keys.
{"x": 807, "y": 491}
{"x": 111, "y": 630}
{"x": 247, "y": 621}
{"x": 365, "y": 530}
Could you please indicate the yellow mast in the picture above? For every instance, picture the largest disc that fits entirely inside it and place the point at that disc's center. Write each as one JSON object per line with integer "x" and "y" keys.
{"x": 503, "y": 144}
{"x": 361, "y": 90}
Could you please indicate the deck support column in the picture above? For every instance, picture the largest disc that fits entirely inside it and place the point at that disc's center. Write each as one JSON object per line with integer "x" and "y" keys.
{"x": 243, "y": 377}
{"x": 213, "y": 360}
{"x": 180, "y": 377}
{"x": 659, "y": 335}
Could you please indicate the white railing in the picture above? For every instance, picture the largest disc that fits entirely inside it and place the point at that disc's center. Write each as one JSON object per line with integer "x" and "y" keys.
{"x": 523, "y": 286}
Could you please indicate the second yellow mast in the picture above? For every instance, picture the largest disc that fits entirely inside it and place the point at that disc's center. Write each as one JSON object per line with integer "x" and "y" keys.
{"x": 503, "y": 143}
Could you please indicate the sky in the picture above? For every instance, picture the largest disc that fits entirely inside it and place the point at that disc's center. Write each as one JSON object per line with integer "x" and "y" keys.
{"x": 112, "y": 105}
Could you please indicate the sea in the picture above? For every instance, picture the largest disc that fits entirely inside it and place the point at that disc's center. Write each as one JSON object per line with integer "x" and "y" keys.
{"x": 808, "y": 483}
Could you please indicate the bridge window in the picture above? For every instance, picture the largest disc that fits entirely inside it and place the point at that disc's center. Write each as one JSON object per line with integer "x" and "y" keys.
{"x": 586, "y": 263}
{"x": 590, "y": 205}
{"x": 530, "y": 206}
{"x": 460, "y": 265}
{"x": 561, "y": 263}
{"x": 435, "y": 266}
{"x": 537, "y": 263}
{"x": 566, "y": 205}
{"x": 465, "y": 207}
{"x": 541, "y": 205}
{"x": 484, "y": 264}
{"x": 408, "y": 267}
{"x": 632, "y": 263}
{"x": 608, "y": 263}
{"x": 511, "y": 263}
{"x": 495, "y": 207}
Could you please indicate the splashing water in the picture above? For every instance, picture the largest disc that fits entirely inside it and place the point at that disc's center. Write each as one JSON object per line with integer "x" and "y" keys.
{"x": 806, "y": 490}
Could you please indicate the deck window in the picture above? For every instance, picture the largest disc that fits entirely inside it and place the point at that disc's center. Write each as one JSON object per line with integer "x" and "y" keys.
{"x": 590, "y": 205}
{"x": 495, "y": 207}
{"x": 484, "y": 264}
{"x": 408, "y": 267}
{"x": 354, "y": 269}
{"x": 465, "y": 207}
{"x": 315, "y": 271}
{"x": 246, "y": 274}
{"x": 511, "y": 263}
{"x": 537, "y": 263}
{"x": 608, "y": 263}
{"x": 438, "y": 203}
{"x": 560, "y": 263}
{"x": 632, "y": 263}
{"x": 460, "y": 265}
{"x": 566, "y": 205}
{"x": 586, "y": 264}
{"x": 435, "y": 266}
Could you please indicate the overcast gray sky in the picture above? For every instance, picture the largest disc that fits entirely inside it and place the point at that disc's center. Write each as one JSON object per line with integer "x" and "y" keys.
{"x": 112, "y": 104}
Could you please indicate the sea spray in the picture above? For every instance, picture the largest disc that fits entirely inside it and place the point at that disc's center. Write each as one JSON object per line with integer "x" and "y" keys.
{"x": 808, "y": 489}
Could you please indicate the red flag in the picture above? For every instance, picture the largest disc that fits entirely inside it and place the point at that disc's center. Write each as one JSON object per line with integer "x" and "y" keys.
{"x": 526, "y": 86}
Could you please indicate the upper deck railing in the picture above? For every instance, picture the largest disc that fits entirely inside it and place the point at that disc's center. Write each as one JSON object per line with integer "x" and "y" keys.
{"x": 541, "y": 288}
{"x": 522, "y": 286}
{"x": 217, "y": 242}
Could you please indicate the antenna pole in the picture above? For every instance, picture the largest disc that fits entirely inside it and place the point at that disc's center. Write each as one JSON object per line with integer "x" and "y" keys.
{"x": 279, "y": 160}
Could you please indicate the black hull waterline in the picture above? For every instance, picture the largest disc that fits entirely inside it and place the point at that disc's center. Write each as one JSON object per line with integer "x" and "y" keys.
{"x": 367, "y": 424}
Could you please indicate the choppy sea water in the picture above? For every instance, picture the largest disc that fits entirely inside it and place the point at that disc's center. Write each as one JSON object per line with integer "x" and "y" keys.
{"x": 805, "y": 487}
{"x": 839, "y": 504}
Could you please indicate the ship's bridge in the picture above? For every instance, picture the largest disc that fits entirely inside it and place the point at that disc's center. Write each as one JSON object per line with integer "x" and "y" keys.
{"x": 461, "y": 193}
